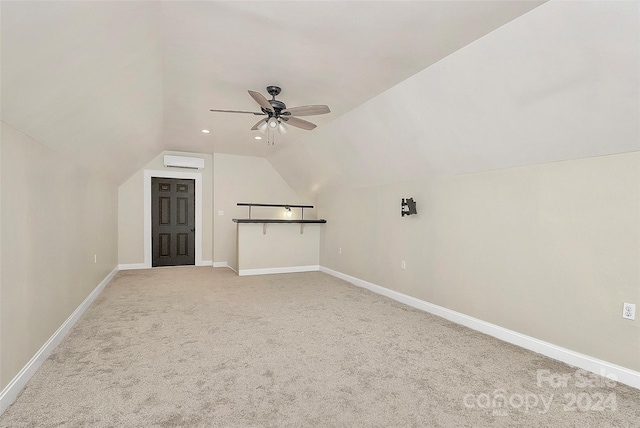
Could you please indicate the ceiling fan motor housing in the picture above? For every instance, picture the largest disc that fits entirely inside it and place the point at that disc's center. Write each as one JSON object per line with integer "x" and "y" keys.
{"x": 277, "y": 106}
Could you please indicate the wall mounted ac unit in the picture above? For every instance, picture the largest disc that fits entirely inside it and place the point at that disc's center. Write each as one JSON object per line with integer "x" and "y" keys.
{"x": 183, "y": 162}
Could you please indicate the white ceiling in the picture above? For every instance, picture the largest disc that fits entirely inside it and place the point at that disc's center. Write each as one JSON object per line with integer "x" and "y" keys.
{"x": 559, "y": 83}
{"x": 416, "y": 88}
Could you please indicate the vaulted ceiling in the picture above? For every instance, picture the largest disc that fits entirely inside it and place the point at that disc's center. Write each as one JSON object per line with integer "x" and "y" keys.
{"x": 415, "y": 88}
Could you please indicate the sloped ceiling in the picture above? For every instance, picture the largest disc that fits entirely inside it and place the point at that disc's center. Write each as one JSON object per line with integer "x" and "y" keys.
{"x": 85, "y": 79}
{"x": 561, "y": 82}
{"x": 111, "y": 84}
{"x": 416, "y": 88}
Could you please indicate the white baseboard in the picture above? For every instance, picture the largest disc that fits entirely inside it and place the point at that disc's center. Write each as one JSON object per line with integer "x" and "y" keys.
{"x": 219, "y": 264}
{"x": 268, "y": 271}
{"x": 133, "y": 266}
{"x": 13, "y": 389}
{"x": 576, "y": 359}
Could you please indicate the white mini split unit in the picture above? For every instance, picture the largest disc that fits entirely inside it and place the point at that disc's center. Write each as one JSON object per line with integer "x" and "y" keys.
{"x": 183, "y": 162}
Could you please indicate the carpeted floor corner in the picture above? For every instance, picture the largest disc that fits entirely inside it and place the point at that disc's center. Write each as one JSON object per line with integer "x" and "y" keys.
{"x": 202, "y": 347}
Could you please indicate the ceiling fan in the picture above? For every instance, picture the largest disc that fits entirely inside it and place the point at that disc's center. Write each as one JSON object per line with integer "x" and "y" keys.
{"x": 277, "y": 114}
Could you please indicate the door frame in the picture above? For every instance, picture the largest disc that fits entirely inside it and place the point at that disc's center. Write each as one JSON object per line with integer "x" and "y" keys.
{"x": 197, "y": 176}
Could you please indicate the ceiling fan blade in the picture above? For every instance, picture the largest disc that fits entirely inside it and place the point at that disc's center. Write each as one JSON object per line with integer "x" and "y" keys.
{"x": 237, "y": 111}
{"x": 307, "y": 110}
{"x": 255, "y": 127}
{"x": 260, "y": 99}
{"x": 298, "y": 123}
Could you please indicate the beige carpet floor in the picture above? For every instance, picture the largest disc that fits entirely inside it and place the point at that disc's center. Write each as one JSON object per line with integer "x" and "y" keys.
{"x": 202, "y": 347}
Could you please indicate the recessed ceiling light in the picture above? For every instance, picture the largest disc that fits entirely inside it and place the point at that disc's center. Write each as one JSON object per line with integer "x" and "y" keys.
{"x": 205, "y": 131}
{"x": 258, "y": 137}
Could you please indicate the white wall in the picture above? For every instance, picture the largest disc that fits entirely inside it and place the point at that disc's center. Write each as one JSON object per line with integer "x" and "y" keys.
{"x": 246, "y": 179}
{"x": 278, "y": 248}
{"x": 551, "y": 251}
{"x": 55, "y": 217}
{"x": 131, "y": 220}
{"x": 131, "y": 209}
{"x": 226, "y": 180}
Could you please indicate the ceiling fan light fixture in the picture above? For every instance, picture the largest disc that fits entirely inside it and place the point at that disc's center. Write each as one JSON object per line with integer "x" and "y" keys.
{"x": 263, "y": 127}
{"x": 281, "y": 128}
{"x": 272, "y": 123}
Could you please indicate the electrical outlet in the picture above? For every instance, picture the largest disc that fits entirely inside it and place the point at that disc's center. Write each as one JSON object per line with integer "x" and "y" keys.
{"x": 340, "y": 250}
{"x": 95, "y": 258}
{"x": 629, "y": 311}
{"x": 404, "y": 264}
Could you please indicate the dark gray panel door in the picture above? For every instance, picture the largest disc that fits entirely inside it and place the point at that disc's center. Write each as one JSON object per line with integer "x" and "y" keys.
{"x": 173, "y": 221}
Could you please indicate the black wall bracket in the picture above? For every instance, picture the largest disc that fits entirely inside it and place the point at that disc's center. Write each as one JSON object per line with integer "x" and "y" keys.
{"x": 408, "y": 207}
